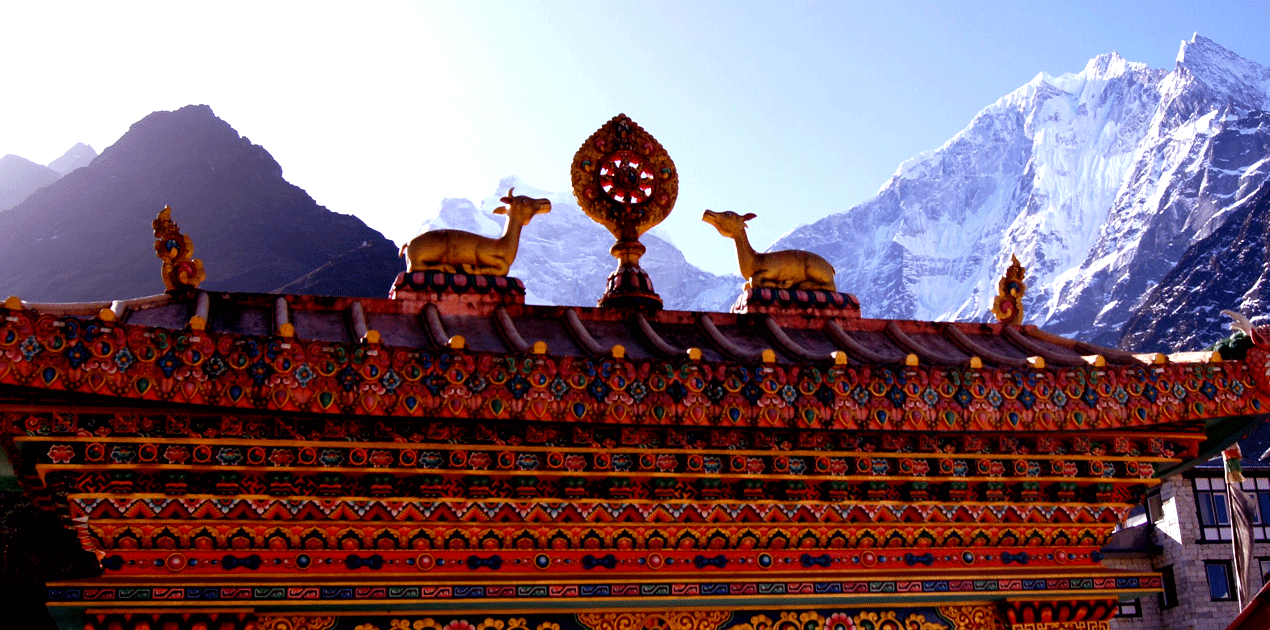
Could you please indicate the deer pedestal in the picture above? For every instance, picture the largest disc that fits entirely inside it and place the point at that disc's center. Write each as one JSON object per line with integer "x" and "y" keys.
{"x": 457, "y": 292}
{"x": 815, "y": 302}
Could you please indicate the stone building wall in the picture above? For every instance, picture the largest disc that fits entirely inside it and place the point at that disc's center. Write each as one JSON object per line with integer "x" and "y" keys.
{"x": 1178, "y": 534}
{"x": 1149, "y": 618}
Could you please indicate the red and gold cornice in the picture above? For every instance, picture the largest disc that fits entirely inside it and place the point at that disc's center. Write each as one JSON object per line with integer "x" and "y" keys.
{"x": 230, "y": 371}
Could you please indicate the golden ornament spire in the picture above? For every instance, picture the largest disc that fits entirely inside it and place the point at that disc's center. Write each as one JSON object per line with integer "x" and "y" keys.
{"x": 1008, "y": 307}
{"x": 175, "y": 249}
{"x": 624, "y": 180}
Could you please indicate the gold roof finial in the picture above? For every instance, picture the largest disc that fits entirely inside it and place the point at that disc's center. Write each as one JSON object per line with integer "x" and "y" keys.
{"x": 180, "y": 270}
{"x": 1008, "y": 307}
{"x": 624, "y": 180}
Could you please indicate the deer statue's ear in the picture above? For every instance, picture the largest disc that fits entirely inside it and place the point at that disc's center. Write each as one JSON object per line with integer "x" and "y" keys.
{"x": 748, "y": 216}
{"x": 500, "y": 210}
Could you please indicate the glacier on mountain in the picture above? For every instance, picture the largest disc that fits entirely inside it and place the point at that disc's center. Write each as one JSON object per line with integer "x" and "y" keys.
{"x": 1098, "y": 181}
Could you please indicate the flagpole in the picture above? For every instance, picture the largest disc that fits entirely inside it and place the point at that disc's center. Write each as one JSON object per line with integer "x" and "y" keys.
{"x": 1241, "y": 511}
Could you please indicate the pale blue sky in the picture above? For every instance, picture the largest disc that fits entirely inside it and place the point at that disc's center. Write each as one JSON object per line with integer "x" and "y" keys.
{"x": 790, "y": 110}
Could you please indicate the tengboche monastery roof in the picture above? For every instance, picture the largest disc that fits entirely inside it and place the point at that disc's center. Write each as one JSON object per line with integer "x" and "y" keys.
{"x": 789, "y": 454}
{"x": 788, "y": 366}
{"x": 590, "y": 332}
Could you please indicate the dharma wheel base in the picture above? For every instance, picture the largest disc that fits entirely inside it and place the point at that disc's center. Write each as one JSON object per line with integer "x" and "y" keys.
{"x": 630, "y": 286}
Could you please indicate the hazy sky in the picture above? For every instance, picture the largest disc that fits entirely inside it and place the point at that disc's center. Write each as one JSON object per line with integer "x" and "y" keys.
{"x": 790, "y": 110}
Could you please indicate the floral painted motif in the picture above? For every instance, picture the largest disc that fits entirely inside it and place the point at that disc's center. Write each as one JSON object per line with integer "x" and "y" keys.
{"x": 176, "y": 454}
{"x": 61, "y": 453}
{"x": 330, "y": 378}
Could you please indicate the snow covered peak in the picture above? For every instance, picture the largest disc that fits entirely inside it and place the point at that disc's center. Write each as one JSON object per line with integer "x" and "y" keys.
{"x": 1108, "y": 66}
{"x": 514, "y": 181}
{"x": 1097, "y": 73}
{"x": 462, "y": 214}
{"x": 1031, "y": 103}
{"x": 1199, "y": 48}
{"x": 1096, "y": 179}
{"x": 479, "y": 218}
{"x": 1232, "y": 78}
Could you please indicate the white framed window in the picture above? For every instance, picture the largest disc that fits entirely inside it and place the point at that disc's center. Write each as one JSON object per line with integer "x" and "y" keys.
{"x": 1214, "y": 508}
{"x": 1130, "y": 608}
{"x": 1263, "y": 567}
{"x": 1221, "y": 586}
{"x": 1259, "y": 489}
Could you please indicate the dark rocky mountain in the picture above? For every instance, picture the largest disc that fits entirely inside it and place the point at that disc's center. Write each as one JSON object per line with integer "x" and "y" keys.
{"x": 366, "y": 271}
{"x": 77, "y": 156}
{"x": 1229, "y": 269}
{"x": 88, "y": 237}
{"x": 19, "y": 177}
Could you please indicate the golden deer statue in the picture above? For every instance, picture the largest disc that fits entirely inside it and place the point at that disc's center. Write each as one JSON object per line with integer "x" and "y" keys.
{"x": 456, "y": 251}
{"x": 787, "y": 269}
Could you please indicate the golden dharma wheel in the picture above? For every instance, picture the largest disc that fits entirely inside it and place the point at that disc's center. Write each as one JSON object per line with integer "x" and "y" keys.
{"x": 624, "y": 179}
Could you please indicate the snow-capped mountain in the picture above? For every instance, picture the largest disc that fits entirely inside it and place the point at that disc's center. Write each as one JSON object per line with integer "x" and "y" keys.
{"x": 564, "y": 256}
{"x": 1229, "y": 268}
{"x": 1099, "y": 181}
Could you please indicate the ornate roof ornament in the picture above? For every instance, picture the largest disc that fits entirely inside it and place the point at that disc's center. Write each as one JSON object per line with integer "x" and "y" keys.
{"x": 624, "y": 180}
{"x": 180, "y": 269}
{"x": 1008, "y": 306}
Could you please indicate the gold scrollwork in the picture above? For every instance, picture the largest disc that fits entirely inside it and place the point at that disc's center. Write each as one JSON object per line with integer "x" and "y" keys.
{"x": 295, "y": 622}
{"x": 889, "y": 620}
{"x": 1064, "y": 625}
{"x": 973, "y": 617}
{"x": 489, "y": 623}
{"x": 680, "y": 620}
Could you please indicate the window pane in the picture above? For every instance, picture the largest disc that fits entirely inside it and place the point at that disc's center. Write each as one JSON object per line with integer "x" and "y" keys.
{"x": 1263, "y": 506}
{"x": 1155, "y": 507}
{"x": 1129, "y": 609}
{"x": 1205, "y": 502}
{"x": 1201, "y": 484}
{"x": 1218, "y": 483}
{"x": 1168, "y": 598}
{"x": 1265, "y": 569}
{"x": 1263, "y": 483}
{"x": 1219, "y": 509}
{"x": 1218, "y": 585}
